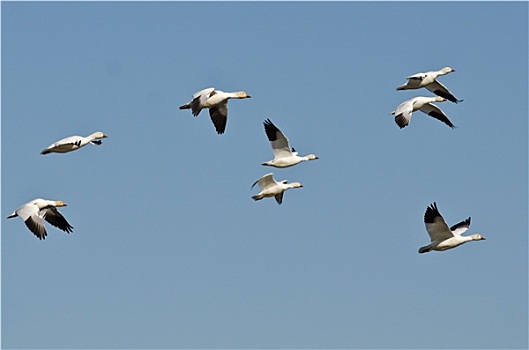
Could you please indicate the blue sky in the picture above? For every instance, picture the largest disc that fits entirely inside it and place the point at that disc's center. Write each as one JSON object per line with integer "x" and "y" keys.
{"x": 170, "y": 251}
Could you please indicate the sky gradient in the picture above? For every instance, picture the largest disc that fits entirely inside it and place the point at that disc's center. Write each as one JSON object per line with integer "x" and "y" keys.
{"x": 170, "y": 251}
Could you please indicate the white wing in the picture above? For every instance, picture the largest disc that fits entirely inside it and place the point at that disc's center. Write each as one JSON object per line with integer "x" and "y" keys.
{"x": 418, "y": 76}
{"x": 29, "y": 213}
{"x": 436, "y": 112}
{"x": 403, "y": 113}
{"x": 435, "y": 224}
{"x": 199, "y": 99}
{"x": 460, "y": 228}
{"x": 266, "y": 181}
{"x": 205, "y": 92}
{"x": 69, "y": 140}
{"x": 279, "y": 142}
{"x": 27, "y": 210}
{"x": 440, "y": 90}
{"x": 66, "y": 145}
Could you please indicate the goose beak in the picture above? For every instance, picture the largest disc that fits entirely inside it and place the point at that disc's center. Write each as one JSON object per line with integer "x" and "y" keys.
{"x": 105, "y": 136}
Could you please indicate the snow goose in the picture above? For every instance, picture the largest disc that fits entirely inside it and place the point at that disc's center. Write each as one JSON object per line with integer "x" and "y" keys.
{"x": 403, "y": 112}
{"x": 271, "y": 188}
{"x": 73, "y": 143}
{"x": 429, "y": 80}
{"x": 284, "y": 156}
{"x": 442, "y": 237}
{"x": 33, "y": 213}
{"x": 217, "y": 102}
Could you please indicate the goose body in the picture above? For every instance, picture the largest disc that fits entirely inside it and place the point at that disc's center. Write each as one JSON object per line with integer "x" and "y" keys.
{"x": 424, "y": 104}
{"x": 429, "y": 81}
{"x": 442, "y": 237}
{"x": 73, "y": 143}
{"x": 34, "y": 213}
{"x": 271, "y": 188}
{"x": 284, "y": 155}
{"x": 217, "y": 103}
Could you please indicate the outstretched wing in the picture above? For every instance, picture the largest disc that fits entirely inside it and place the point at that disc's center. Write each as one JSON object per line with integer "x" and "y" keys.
{"x": 279, "y": 142}
{"x": 440, "y": 90}
{"x": 199, "y": 99}
{"x": 461, "y": 227}
{"x": 403, "y": 113}
{"x": 219, "y": 116}
{"x": 436, "y": 112}
{"x": 417, "y": 76}
{"x": 265, "y": 181}
{"x": 64, "y": 145}
{"x": 436, "y": 225}
{"x": 56, "y": 219}
{"x": 279, "y": 197}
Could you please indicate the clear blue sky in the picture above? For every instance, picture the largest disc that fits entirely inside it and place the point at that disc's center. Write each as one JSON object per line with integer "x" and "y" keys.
{"x": 170, "y": 251}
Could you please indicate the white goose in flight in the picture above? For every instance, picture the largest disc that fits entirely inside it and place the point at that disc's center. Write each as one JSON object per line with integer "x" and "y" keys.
{"x": 34, "y": 213}
{"x": 442, "y": 237}
{"x": 217, "y": 102}
{"x": 429, "y": 80}
{"x": 403, "y": 112}
{"x": 284, "y": 156}
{"x": 73, "y": 143}
{"x": 271, "y": 188}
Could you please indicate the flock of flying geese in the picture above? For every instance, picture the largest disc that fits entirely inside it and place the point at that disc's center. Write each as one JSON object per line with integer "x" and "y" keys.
{"x": 442, "y": 237}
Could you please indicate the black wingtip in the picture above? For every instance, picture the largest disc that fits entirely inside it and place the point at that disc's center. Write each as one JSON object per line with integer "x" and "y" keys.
{"x": 270, "y": 130}
{"x": 268, "y": 123}
{"x": 423, "y": 250}
{"x": 401, "y": 121}
{"x": 67, "y": 227}
{"x": 431, "y": 213}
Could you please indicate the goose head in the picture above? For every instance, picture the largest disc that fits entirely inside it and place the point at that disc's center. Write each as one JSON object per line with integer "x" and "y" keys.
{"x": 60, "y": 204}
{"x": 447, "y": 70}
{"x": 98, "y": 135}
{"x": 296, "y": 185}
{"x": 243, "y": 94}
{"x": 477, "y": 237}
{"x": 312, "y": 157}
{"x": 439, "y": 99}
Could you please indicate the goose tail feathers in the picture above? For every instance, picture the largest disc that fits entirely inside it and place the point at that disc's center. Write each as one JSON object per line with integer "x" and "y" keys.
{"x": 424, "y": 249}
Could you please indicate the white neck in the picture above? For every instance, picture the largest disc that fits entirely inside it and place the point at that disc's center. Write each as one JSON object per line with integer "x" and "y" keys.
{"x": 443, "y": 71}
{"x": 93, "y": 136}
